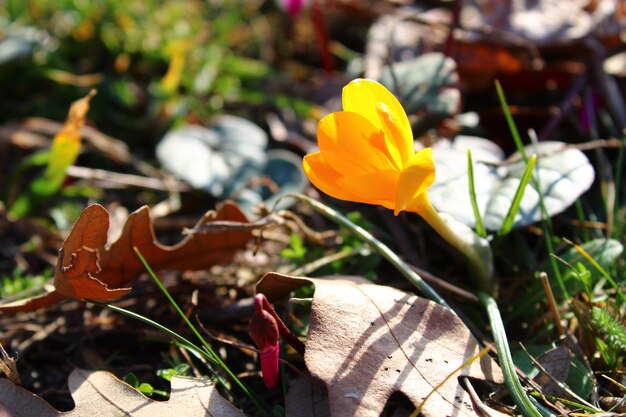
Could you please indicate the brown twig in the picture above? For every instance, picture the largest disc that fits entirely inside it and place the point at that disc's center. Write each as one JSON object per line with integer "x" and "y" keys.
{"x": 554, "y": 309}
{"x": 125, "y": 180}
{"x": 441, "y": 283}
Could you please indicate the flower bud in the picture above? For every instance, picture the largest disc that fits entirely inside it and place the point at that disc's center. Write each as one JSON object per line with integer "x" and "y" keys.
{"x": 263, "y": 330}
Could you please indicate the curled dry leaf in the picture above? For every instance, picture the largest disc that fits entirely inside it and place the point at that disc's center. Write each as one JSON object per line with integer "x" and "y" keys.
{"x": 89, "y": 269}
{"x": 99, "y": 393}
{"x": 368, "y": 341}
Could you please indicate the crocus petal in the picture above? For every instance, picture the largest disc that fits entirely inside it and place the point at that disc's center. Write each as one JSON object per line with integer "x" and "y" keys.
{"x": 269, "y": 365}
{"x": 325, "y": 177}
{"x": 362, "y": 96}
{"x": 373, "y": 187}
{"x": 417, "y": 175}
{"x": 348, "y": 142}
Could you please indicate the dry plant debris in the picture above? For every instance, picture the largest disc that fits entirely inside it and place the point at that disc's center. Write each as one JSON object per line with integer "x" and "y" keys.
{"x": 368, "y": 341}
{"x": 99, "y": 393}
{"x": 89, "y": 269}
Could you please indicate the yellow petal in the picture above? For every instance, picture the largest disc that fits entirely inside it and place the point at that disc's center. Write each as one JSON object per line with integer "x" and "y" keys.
{"x": 324, "y": 177}
{"x": 372, "y": 188}
{"x": 377, "y": 188}
{"x": 415, "y": 179}
{"x": 349, "y": 144}
{"x": 362, "y": 96}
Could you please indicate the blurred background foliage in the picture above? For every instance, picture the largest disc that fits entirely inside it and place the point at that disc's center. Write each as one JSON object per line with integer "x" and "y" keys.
{"x": 151, "y": 61}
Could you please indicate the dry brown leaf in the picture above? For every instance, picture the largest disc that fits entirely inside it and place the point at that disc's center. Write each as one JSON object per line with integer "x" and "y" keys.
{"x": 368, "y": 341}
{"x": 88, "y": 269}
{"x": 306, "y": 400}
{"x": 32, "y": 304}
{"x": 99, "y": 393}
{"x": 556, "y": 363}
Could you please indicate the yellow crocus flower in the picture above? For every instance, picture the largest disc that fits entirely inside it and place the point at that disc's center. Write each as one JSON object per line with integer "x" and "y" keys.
{"x": 367, "y": 154}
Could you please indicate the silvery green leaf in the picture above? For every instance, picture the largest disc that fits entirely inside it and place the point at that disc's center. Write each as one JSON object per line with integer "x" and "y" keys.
{"x": 224, "y": 158}
{"x": 189, "y": 152}
{"x": 427, "y": 83}
{"x": 284, "y": 168}
{"x": 15, "y": 49}
{"x": 563, "y": 175}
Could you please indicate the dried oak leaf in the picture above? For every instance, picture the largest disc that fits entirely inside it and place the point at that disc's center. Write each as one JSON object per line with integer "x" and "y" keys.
{"x": 100, "y": 393}
{"x": 368, "y": 341}
{"x": 88, "y": 269}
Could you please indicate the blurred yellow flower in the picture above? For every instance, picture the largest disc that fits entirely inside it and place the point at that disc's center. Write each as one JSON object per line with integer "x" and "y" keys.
{"x": 367, "y": 155}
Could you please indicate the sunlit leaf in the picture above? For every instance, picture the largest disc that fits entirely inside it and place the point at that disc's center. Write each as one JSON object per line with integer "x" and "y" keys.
{"x": 88, "y": 268}
{"x": 65, "y": 148}
{"x": 229, "y": 159}
{"x": 369, "y": 341}
{"x": 563, "y": 175}
{"x": 427, "y": 83}
{"x": 101, "y": 393}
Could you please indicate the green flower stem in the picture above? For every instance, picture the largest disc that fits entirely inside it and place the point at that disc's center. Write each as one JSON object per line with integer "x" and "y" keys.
{"x": 521, "y": 399}
{"x": 478, "y": 266}
{"x": 375, "y": 244}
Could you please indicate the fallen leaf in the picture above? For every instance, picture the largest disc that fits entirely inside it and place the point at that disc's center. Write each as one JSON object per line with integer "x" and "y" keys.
{"x": 16, "y": 401}
{"x": 426, "y": 84}
{"x": 368, "y": 341}
{"x": 32, "y": 304}
{"x": 306, "y": 400}
{"x": 100, "y": 393}
{"x": 88, "y": 269}
{"x": 557, "y": 363}
{"x": 410, "y": 33}
{"x": 65, "y": 148}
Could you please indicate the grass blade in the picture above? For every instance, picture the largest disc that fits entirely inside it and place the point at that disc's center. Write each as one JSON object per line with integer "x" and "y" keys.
{"x": 619, "y": 163}
{"x": 547, "y": 225}
{"x": 480, "y": 229}
{"x": 510, "y": 122}
{"x": 205, "y": 344}
{"x": 507, "y": 223}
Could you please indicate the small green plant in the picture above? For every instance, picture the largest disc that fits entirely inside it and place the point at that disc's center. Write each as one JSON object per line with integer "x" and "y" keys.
{"x": 145, "y": 388}
{"x": 19, "y": 281}
{"x": 610, "y": 335}
{"x": 182, "y": 369}
{"x": 296, "y": 251}
{"x": 301, "y": 255}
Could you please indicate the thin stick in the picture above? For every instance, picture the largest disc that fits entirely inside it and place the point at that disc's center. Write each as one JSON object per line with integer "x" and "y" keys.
{"x": 552, "y": 303}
